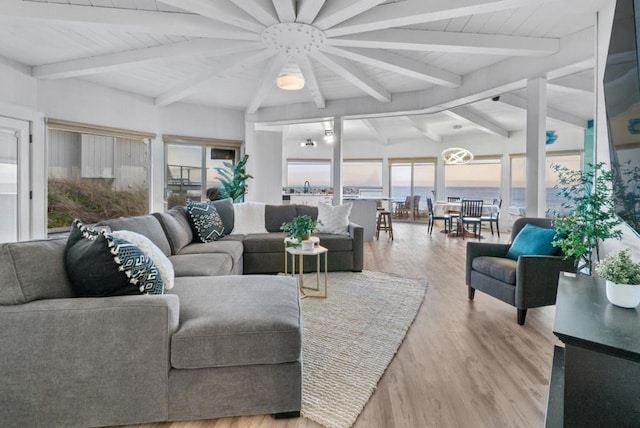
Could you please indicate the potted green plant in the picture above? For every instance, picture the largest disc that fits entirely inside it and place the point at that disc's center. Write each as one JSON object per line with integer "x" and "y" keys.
{"x": 589, "y": 215}
{"x": 299, "y": 229}
{"x": 233, "y": 179}
{"x": 623, "y": 279}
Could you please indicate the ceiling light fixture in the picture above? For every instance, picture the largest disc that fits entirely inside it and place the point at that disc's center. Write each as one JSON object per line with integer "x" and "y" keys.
{"x": 308, "y": 143}
{"x": 456, "y": 156}
{"x": 290, "y": 78}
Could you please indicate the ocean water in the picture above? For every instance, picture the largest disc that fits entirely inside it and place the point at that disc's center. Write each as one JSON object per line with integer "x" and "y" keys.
{"x": 487, "y": 194}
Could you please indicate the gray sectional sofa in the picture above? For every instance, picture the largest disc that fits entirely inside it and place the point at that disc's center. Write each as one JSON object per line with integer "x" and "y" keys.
{"x": 217, "y": 344}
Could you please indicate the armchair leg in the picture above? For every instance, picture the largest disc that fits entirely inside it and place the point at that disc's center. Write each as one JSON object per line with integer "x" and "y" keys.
{"x": 472, "y": 293}
{"x": 522, "y": 314}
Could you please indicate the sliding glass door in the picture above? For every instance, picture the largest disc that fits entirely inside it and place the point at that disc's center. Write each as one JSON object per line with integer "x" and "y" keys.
{"x": 14, "y": 180}
{"x": 412, "y": 182}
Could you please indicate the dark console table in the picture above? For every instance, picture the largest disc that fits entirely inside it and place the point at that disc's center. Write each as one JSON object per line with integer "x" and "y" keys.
{"x": 595, "y": 379}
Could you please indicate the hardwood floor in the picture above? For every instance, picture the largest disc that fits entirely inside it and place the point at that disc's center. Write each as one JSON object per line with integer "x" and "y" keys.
{"x": 462, "y": 364}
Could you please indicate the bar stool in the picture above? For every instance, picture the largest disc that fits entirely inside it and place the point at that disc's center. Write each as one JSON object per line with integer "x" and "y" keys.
{"x": 384, "y": 224}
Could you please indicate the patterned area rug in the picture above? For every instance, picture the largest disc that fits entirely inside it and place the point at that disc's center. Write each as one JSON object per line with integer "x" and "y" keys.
{"x": 350, "y": 338}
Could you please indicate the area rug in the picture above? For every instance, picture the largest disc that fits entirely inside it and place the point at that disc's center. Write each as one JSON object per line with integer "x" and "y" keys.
{"x": 350, "y": 338}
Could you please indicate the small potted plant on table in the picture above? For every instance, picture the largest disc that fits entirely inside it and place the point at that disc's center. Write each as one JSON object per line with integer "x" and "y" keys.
{"x": 299, "y": 230}
{"x": 623, "y": 279}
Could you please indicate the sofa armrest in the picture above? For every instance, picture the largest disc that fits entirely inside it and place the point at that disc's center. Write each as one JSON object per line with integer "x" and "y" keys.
{"x": 478, "y": 249}
{"x": 357, "y": 234}
{"x": 537, "y": 279}
{"x": 86, "y": 361}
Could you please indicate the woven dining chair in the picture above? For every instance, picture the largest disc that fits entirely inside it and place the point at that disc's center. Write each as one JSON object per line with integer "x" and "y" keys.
{"x": 471, "y": 213}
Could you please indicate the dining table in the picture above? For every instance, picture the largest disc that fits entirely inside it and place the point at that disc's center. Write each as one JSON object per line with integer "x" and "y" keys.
{"x": 443, "y": 207}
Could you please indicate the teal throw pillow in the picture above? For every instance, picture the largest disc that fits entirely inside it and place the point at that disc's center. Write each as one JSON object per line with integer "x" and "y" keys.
{"x": 207, "y": 223}
{"x": 533, "y": 241}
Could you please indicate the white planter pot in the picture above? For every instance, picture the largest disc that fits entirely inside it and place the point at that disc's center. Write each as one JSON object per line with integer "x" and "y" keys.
{"x": 307, "y": 245}
{"x": 623, "y": 295}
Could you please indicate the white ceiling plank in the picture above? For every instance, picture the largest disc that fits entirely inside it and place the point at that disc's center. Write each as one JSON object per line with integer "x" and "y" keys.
{"x": 353, "y": 75}
{"x": 311, "y": 82}
{"x": 268, "y": 82}
{"x": 338, "y": 11}
{"x": 220, "y": 11}
{"x": 262, "y": 11}
{"x": 573, "y": 86}
{"x": 116, "y": 61}
{"x": 410, "y": 12}
{"x": 124, "y": 19}
{"x": 440, "y": 41}
{"x": 469, "y": 115}
{"x": 189, "y": 86}
{"x": 422, "y": 128}
{"x": 286, "y": 10}
{"x": 562, "y": 116}
{"x": 399, "y": 64}
{"x": 376, "y": 130}
{"x": 308, "y": 10}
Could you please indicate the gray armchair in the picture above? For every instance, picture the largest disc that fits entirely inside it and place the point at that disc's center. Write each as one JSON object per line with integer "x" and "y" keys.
{"x": 529, "y": 282}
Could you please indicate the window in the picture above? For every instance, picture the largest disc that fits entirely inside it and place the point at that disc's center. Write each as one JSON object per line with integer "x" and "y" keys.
{"x": 479, "y": 179}
{"x": 362, "y": 173}
{"x": 191, "y": 166}
{"x": 95, "y": 173}
{"x": 317, "y": 172}
{"x": 412, "y": 182}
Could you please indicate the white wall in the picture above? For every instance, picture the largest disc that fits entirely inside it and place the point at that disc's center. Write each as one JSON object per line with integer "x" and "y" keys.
{"x": 265, "y": 164}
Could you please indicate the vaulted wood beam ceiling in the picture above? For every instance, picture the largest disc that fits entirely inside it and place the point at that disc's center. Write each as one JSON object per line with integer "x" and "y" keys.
{"x": 553, "y": 113}
{"x": 270, "y": 76}
{"x": 412, "y": 12}
{"x": 189, "y": 86}
{"x": 355, "y": 76}
{"x": 124, "y": 19}
{"x": 398, "y": 64}
{"x": 262, "y": 11}
{"x": 308, "y": 10}
{"x": 338, "y": 11}
{"x": 219, "y": 11}
{"x": 421, "y": 127}
{"x": 376, "y": 131}
{"x": 120, "y": 60}
{"x": 311, "y": 82}
{"x": 441, "y": 41}
{"x": 468, "y": 114}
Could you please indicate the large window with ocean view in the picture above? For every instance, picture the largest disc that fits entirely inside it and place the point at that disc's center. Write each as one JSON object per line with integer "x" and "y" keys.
{"x": 572, "y": 160}
{"x": 412, "y": 182}
{"x": 315, "y": 172}
{"x": 362, "y": 173}
{"x": 479, "y": 179}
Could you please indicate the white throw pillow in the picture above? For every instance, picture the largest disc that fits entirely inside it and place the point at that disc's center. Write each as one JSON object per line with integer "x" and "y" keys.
{"x": 248, "y": 218}
{"x": 334, "y": 219}
{"x": 150, "y": 249}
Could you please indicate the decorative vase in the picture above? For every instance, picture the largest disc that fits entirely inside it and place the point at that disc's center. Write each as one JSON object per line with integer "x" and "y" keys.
{"x": 623, "y": 295}
{"x": 307, "y": 245}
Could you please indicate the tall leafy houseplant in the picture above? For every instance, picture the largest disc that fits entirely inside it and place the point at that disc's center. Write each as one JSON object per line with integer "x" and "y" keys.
{"x": 233, "y": 180}
{"x": 592, "y": 217}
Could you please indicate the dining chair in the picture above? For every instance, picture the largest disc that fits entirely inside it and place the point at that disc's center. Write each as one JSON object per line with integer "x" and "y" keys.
{"x": 416, "y": 206}
{"x": 494, "y": 216}
{"x": 403, "y": 208}
{"x": 433, "y": 217}
{"x": 471, "y": 213}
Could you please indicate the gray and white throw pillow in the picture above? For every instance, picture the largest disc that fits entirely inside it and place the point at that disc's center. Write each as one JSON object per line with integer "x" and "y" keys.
{"x": 334, "y": 219}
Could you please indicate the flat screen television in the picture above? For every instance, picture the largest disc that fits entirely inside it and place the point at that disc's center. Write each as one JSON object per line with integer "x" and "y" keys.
{"x": 622, "y": 99}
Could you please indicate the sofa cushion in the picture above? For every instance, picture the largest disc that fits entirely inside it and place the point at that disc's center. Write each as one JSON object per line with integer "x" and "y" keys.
{"x": 264, "y": 242}
{"x": 146, "y": 225}
{"x": 210, "y": 264}
{"x": 225, "y": 209}
{"x": 334, "y": 219}
{"x": 227, "y": 246}
{"x": 533, "y": 240}
{"x": 275, "y": 215}
{"x": 234, "y": 321}
{"x": 205, "y": 220}
{"x": 99, "y": 265}
{"x": 248, "y": 218}
{"x": 335, "y": 242}
{"x": 177, "y": 228}
{"x": 311, "y": 211}
{"x": 24, "y": 275}
{"x": 161, "y": 261}
{"x": 500, "y": 268}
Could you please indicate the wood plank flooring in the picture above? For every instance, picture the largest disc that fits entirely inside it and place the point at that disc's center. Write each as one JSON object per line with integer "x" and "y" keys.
{"x": 462, "y": 364}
